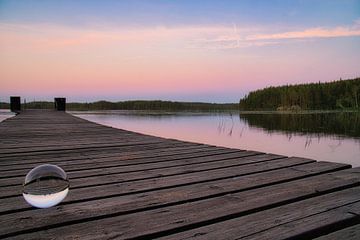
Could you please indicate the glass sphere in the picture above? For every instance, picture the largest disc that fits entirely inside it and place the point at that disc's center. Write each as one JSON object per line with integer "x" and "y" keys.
{"x": 45, "y": 186}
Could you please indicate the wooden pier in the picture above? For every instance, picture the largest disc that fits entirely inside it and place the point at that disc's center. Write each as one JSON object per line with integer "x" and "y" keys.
{"x": 126, "y": 185}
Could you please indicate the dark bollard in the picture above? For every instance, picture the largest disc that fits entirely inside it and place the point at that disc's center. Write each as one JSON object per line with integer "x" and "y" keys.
{"x": 15, "y": 104}
{"x": 60, "y": 104}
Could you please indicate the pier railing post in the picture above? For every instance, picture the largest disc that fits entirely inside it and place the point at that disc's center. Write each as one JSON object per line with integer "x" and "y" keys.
{"x": 60, "y": 104}
{"x": 15, "y": 104}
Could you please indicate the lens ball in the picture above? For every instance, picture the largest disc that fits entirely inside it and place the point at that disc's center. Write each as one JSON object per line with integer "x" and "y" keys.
{"x": 45, "y": 186}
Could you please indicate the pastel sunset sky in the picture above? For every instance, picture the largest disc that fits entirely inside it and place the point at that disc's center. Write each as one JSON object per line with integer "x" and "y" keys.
{"x": 186, "y": 50}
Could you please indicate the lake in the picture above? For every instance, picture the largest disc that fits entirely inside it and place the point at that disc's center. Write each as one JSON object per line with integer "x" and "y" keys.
{"x": 4, "y": 114}
{"x": 331, "y": 137}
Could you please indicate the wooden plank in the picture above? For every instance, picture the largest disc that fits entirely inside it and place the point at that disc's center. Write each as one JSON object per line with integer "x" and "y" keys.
{"x": 166, "y": 220}
{"x": 64, "y": 143}
{"x": 124, "y": 166}
{"x": 127, "y": 161}
{"x": 246, "y": 181}
{"x": 317, "y": 215}
{"x": 119, "y": 153}
{"x": 144, "y": 201}
{"x": 314, "y": 225}
{"x": 17, "y": 152}
{"x": 247, "y": 165}
{"x": 349, "y": 233}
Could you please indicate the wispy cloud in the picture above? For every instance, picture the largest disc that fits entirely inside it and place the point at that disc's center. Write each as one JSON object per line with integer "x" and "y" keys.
{"x": 190, "y": 37}
{"x": 235, "y": 39}
{"x": 309, "y": 33}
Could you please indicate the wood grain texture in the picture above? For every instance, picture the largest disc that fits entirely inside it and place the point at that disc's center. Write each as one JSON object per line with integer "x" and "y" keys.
{"x": 349, "y": 233}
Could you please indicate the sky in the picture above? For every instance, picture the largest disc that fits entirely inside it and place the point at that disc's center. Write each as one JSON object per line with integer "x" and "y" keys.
{"x": 180, "y": 50}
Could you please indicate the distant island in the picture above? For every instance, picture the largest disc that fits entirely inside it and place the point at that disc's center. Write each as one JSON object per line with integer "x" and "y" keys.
{"x": 156, "y": 105}
{"x": 341, "y": 94}
{"x": 336, "y": 95}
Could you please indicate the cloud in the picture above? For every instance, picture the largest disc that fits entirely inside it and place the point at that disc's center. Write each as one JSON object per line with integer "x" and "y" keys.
{"x": 61, "y": 36}
{"x": 309, "y": 33}
{"x": 186, "y": 37}
{"x": 357, "y": 23}
{"x": 241, "y": 40}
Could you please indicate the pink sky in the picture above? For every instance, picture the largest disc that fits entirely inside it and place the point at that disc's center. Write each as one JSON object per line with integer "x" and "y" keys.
{"x": 217, "y": 63}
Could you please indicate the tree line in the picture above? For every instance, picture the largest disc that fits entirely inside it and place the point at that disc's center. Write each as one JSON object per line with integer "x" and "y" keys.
{"x": 153, "y": 105}
{"x": 133, "y": 105}
{"x": 341, "y": 94}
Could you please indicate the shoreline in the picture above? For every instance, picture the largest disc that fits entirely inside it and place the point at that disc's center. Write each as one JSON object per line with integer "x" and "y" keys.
{"x": 192, "y": 112}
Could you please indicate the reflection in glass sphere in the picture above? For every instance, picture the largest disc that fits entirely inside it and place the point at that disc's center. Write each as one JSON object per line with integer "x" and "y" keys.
{"x": 45, "y": 186}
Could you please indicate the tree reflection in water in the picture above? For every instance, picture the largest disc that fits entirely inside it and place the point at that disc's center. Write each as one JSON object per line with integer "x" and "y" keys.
{"x": 345, "y": 124}
{"x": 313, "y": 125}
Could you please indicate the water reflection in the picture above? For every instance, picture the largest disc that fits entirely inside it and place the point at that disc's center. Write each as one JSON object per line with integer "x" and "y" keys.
{"x": 337, "y": 127}
{"x": 320, "y": 124}
{"x": 326, "y": 137}
{"x": 4, "y": 114}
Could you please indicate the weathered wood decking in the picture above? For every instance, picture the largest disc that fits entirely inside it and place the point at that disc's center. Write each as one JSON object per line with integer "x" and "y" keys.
{"x": 126, "y": 185}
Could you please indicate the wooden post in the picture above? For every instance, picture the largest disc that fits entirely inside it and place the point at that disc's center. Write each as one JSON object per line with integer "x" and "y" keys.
{"x": 15, "y": 104}
{"x": 60, "y": 104}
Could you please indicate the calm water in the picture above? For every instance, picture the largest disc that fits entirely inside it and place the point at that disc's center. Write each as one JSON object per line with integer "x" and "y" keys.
{"x": 4, "y": 114}
{"x": 326, "y": 137}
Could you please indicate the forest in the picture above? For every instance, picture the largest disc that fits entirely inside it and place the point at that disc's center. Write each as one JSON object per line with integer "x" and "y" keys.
{"x": 132, "y": 105}
{"x": 340, "y": 94}
{"x": 152, "y": 105}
